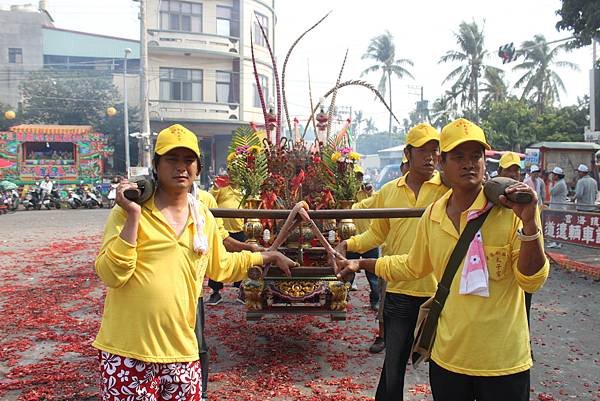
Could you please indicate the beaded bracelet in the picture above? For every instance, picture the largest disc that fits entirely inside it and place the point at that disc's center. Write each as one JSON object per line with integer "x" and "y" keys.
{"x": 527, "y": 238}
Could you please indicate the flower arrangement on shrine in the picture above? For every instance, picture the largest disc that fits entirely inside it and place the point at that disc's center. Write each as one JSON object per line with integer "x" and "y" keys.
{"x": 247, "y": 162}
{"x": 341, "y": 162}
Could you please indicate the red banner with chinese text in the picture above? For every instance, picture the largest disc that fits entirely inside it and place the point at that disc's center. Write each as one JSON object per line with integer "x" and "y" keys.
{"x": 578, "y": 228}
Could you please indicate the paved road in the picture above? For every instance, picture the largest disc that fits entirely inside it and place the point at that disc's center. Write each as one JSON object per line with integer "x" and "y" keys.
{"x": 50, "y": 304}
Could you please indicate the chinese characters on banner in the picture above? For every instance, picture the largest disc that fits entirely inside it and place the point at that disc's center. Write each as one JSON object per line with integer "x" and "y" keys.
{"x": 577, "y": 228}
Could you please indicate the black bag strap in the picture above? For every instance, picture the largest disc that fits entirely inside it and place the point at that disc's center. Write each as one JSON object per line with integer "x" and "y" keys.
{"x": 443, "y": 288}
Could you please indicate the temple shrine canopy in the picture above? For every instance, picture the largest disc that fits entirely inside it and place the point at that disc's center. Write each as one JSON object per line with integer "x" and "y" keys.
{"x": 67, "y": 153}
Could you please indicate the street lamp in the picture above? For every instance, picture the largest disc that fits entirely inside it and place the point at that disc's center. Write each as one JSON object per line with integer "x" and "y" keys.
{"x": 126, "y": 112}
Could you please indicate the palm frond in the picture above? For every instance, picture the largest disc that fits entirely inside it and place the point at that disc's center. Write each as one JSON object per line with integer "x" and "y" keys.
{"x": 287, "y": 58}
{"x": 276, "y": 75}
{"x": 333, "y": 98}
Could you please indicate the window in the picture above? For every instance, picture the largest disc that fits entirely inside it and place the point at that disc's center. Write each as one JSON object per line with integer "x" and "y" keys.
{"x": 264, "y": 84}
{"x": 224, "y": 88}
{"x": 181, "y": 84}
{"x": 223, "y": 21}
{"x": 15, "y": 55}
{"x": 258, "y": 36}
{"x": 180, "y": 16}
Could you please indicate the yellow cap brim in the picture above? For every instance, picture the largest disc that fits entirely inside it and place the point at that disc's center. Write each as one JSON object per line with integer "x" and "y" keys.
{"x": 454, "y": 144}
{"x": 169, "y": 148}
{"x": 512, "y": 163}
{"x": 422, "y": 141}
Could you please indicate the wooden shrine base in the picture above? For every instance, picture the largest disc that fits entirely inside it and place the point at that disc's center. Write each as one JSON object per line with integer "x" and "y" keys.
{"x": 296, "y": 310}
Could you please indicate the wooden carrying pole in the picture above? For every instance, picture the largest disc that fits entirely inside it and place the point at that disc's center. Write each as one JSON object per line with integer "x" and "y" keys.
{"x": 321, "y": 214}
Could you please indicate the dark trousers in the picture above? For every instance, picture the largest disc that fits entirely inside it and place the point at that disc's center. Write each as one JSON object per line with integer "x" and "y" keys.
{"x": 202, "y": 346}
{"x": 215, "y": 286}
{"x": 371, "y": 278}
{"x": 450, "y": 386}
{"x": 528, "y": 308}
{"x": 400, "y": 313}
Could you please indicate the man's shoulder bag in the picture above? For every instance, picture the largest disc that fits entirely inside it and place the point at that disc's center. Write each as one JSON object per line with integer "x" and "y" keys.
{"x": 429, "y": 312}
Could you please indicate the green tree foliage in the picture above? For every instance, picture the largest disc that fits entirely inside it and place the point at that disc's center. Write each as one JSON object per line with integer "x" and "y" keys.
{"x": 69, "y": 97}
{"x": 514, "y": 124}
{"x": 382, "y": 51}
{"x": 540, "y": 82}
{"x": 582, "y": 18}
{"x": 493, "y": 86}
{"x": 470, "y": 55}
{"x": 508, "y": 124}
{"x": 370, "y": 144}
{"x": 4, "y": 123}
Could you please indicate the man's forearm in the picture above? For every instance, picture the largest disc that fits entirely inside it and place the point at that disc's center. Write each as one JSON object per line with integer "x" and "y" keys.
{"x": 130, "y": 228}
{"x": 531, "y": 257}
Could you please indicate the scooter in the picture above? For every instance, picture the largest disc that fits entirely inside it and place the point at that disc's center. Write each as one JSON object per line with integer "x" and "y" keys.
{"x": 76, "y": 198}
{"x": 112, "y": 195}
{"x": 33, "y": 199}
{"x": 51, "y": 200}
{"x": 14, "y": 200}
{"x": 93, "y": 199}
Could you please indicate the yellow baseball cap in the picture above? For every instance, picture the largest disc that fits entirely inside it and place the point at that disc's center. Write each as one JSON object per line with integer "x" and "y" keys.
{"x": 510, "y": 158}
{"x": 420, "y": 134}
{"x": 358, "y": 169}
{"x": 461, "y": 131}
{"x": 176, "y": 136}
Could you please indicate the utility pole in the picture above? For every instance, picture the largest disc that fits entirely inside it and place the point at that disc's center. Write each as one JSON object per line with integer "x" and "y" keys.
{"x": 144, "y": 144}
{"x": 126, "y": 114}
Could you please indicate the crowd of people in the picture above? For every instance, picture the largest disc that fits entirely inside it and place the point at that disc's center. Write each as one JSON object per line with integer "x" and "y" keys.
{"x": 50, "y": 155}
{"x": 155, "y": 257}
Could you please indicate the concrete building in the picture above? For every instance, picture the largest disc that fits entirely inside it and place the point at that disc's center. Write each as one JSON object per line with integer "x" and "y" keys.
{"x": 21, "y": 46}
{"x": 200, "y": 69}
{"x": 29, "y": 41}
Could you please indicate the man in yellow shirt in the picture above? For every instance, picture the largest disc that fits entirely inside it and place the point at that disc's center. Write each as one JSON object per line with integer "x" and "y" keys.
{"x": 510, "y": 166}
{"x": 153, "y": 260}
{"x": 420, "y": 187}
{"x": 481, "y": 349}
{"x": 365, "y": 193}
{"x": 228, "y": 197}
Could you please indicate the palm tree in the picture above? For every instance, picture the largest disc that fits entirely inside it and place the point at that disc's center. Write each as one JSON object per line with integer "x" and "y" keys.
{"x": 370, "y": 127}
{"x": 358, "y": 120}
{"x": 383, "y": 51}
{"x": 470, "y": 55}
{"x": 540, "y": 82}
{"x": 443, "y": 110}
{"x": 493, "y": 86}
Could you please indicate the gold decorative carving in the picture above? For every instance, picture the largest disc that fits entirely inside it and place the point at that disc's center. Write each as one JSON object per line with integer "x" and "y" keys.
{"x": 253, "y": 292}
{"x": 339, "y": 294}
{"x": 296, "y": 288}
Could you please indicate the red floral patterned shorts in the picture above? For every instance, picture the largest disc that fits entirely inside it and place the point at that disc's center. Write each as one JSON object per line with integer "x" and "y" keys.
{"x": 126, "y": 379}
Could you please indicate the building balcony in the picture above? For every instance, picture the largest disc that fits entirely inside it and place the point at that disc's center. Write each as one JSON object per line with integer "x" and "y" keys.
{"x": 161, "y": 110}
{"x": 188, "y": 42}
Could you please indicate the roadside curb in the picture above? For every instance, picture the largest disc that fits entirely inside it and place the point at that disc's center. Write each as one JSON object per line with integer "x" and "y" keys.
{"x": 569, "y": 264}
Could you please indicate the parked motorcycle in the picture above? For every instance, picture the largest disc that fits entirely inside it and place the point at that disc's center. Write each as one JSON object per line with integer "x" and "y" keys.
{"x": 33, "y": 199}
{"x": 76, "y": 198}
{"x": 14, "y": 200}
{"x": 112, "y": 195}
{"x": 93, "y": 198}
{"x": 51, "y": 200}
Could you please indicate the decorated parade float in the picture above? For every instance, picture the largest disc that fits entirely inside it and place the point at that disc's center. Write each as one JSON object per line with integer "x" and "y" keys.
{"x": 297, "y": 197}
{"x": 66, "y": 153}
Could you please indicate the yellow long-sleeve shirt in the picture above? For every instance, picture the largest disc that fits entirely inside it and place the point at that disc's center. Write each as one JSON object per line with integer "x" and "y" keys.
{"x": 154, "y": 284}
{"x": 398, "y": 234}
{"x": 363, "y": 201}
{"x": 478, "y": 336}
{"x": 229, "y": 198}
{"x": 211, "y": 203}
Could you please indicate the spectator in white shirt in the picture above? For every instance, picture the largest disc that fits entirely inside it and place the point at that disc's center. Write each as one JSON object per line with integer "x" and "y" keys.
{"x": 536, "y": 183}
{"x": 586, "y": 190}
{"x": 46, "y": 185}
